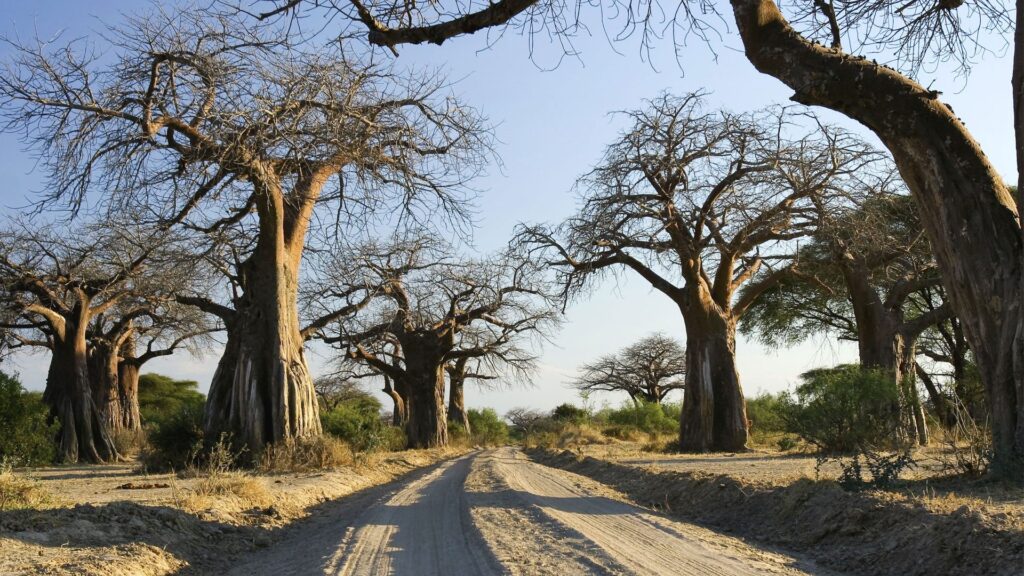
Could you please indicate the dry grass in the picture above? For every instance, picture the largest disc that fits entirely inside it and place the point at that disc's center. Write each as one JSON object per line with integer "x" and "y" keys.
{"x": 18, "y": 493}
{"x": 129, "y": 443}
{"x": 231, "y": 490}
{"x": 303, "y": 455}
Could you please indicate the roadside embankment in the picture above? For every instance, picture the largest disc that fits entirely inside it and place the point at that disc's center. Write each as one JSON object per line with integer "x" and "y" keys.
{"x": 865, "y": 532}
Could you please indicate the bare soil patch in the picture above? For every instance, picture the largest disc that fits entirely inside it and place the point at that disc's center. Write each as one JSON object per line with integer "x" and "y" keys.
{"x": 930, "y": 525}
{"x": 112, "y": 520}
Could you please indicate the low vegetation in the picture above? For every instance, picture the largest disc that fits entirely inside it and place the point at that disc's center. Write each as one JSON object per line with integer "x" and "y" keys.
{"x": 26, "y": 432}
{"x": 17, "y": 492}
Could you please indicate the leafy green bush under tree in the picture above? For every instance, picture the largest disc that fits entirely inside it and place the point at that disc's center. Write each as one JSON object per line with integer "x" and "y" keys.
{"x": 843, "y": 409}
{"x": 27, "y": 436}
{"x": 356, "y": 419}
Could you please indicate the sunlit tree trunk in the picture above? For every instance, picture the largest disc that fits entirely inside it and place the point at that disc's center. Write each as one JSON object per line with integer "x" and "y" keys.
{"x": 714, "y": 415}
{"x": 262, "y": 391}
{"x": 103, "y": 379}
{"x": 966, "y": 209}
{"x": 391, "y": 388}
{"x": 128, "y": 386}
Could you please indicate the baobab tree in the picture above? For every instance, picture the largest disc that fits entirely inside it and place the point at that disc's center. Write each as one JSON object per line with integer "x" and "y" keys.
{"x": 438, "y": 311}
{"x": 53, "y": 287}
{"x": 197, "y": 119}
{"x": 647, "y": 370}
{"x": 969, "y": 213}
{"x": 158, "y": 325}
{"x": 864, "y": 274}
{"x": 700, "y": 204}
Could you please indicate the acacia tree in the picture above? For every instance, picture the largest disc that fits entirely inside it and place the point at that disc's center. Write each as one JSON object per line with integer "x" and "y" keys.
{"x": 700, "y": 204}
{"x": 53, "y": 287}
{"x": 647, "y": 370}
{"x": 437, "y": 311}
{"x": 194, "y": 117}
{"x": 864, "y": 276}
{"x": 968, "y": 212}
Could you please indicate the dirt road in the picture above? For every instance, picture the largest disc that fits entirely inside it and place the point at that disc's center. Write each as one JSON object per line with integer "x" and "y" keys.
{"x": 497, "y": 512}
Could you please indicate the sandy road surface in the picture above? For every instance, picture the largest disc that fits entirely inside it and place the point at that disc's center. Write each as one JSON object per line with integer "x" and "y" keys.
{"x": 499, "y": 513}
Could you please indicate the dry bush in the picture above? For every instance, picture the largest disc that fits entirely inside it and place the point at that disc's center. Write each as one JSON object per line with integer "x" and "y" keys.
{"x": 241, "y": 490}
{"x": 130, "y": 442}
{"x": 305, "y": 454}
{"x": 17, "y": 492}
{"x": 574, "y": 436}
{"x": 626, "y": 433}
{"x": 968, "y": 445}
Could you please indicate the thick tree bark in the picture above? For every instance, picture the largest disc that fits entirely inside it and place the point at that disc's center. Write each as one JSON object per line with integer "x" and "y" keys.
{"x": 128, "y": 386}
{"x": 103, "y": 379}
{"x": 457, "y": 401}
{"x": 427, "y": 423}
{"x": 261, "y": 391}
{"x": 83, "y": 432}
{"x": 714, "y": 415}
{"x": 967, "y": 211}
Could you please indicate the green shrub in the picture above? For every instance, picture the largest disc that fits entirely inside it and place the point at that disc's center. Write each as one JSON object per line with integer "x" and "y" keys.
{"x": 457, "y": 433}
{"x": 569, "y": 414}
{"x": 162, "y": 397}
{"x": 843, "y": 409}
{"x": 646, "y": 417}
{"x": 175, "y": 439}
{"x": 488, "y": 429}
{"x": 765, "y": 413}
{"x": 356, "y": 420}
{"x": 27, "y": 436}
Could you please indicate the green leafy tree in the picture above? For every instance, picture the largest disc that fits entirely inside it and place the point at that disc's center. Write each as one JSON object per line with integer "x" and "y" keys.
{"x": 488, "y": 428}
{"x": 162, "y": 398}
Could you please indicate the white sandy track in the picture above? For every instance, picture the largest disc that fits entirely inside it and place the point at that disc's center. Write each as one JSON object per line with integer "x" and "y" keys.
{"x": 513, "y": 517}
{"x": 416, "y": 527}
{"x": 639, "y": 541}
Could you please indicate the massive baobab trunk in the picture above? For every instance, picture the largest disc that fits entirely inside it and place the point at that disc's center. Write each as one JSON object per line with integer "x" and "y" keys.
{"x": 714, "y": 415}
{"x": 262, "y": 392}
{"x": 128, "y": 385}
{"x": 83, "y": 430}
{"x": 103, "y": 379}
{"x": 967, "y": 211}
{"x": 427, "y": 424}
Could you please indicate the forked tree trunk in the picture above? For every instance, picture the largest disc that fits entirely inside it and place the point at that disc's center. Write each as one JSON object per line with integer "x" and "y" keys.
{"x": 427, "y": 424}
{"x": 966, "y": 209}
{"x": 457, "y": 401}
{"x": 261, "y": 391}
{"x": 714, "y": 415}
{"x": 83, "y": 432}
{"x": 391, "y": 388}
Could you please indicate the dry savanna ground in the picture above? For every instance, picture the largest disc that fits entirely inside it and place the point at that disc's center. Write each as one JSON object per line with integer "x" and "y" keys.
{"x": 112, "y": 519}
{"x": 598, "y": 508}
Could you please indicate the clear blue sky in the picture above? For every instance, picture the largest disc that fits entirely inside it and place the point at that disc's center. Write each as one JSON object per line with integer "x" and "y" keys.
{"x": 553, "y": 126}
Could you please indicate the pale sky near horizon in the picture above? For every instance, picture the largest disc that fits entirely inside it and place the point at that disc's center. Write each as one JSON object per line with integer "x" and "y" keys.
{"x": 553, "y": 126}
